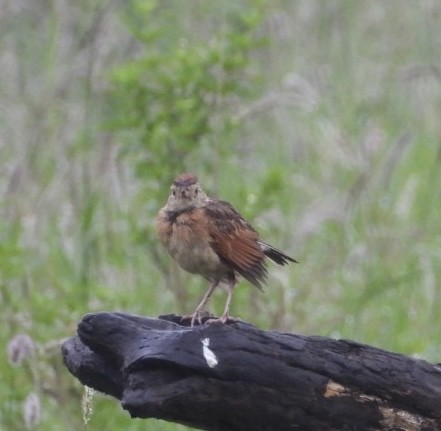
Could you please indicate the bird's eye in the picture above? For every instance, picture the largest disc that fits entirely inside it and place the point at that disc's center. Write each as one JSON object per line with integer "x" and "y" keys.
{"x": 174, "y": 193}
{"x": 196, "y": 191}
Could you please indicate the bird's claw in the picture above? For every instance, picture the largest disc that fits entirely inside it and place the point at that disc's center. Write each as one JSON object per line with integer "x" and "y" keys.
{"x": 218, "y": 321}
{"x": 203, "y": 317}
{"x": 198, "y": 315}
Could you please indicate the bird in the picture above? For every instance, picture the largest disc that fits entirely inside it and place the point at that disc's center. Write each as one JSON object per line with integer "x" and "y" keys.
{"x": 209, "y": 237}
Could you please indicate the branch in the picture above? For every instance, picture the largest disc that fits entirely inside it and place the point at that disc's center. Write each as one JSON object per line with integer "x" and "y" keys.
{"x": 237, "y": 377}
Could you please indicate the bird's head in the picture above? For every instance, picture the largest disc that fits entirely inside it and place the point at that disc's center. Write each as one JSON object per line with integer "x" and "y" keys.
{"x": 186, "y": 193}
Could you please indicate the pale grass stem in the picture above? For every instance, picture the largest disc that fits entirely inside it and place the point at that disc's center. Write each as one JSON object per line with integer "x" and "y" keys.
{"x": 87, "y": 405}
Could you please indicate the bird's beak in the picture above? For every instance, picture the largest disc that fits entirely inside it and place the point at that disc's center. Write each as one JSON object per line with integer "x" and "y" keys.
{"x": 182, "y": 193}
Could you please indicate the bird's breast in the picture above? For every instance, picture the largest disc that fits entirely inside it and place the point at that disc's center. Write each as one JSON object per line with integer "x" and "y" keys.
{"x": 187, "y": 240}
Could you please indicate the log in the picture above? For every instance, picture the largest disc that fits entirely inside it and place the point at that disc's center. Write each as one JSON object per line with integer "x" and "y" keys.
{"x": 236, "y": 377}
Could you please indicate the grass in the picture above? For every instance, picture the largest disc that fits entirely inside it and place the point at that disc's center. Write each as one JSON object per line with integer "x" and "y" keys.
{"x": 335, "y": 159}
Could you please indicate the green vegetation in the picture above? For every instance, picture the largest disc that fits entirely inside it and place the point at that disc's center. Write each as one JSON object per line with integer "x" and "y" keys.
{"x": 318, "y": 120}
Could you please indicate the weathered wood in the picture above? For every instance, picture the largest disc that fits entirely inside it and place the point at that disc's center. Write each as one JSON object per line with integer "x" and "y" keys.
{"x": 237, "y": 377}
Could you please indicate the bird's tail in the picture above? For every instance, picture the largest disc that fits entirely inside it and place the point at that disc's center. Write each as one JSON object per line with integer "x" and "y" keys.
{"x": 275, "y": 255}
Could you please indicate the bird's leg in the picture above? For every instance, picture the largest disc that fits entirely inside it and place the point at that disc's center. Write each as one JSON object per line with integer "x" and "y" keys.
{"x": 200, "y": 307}
{"x": 226, "y": 313}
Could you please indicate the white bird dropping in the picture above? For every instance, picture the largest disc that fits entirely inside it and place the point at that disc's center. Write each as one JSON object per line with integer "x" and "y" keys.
{"x": 209, "y": 356}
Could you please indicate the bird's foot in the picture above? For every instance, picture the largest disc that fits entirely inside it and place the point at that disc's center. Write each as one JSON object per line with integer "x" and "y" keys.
{"x": 204, "y": 317}
{"x": 220, "y": 320}
{"x": 199, "y": 316}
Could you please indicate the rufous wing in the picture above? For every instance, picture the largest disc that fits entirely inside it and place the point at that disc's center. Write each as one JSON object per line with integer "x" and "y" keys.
{"x": 235, "y": 241}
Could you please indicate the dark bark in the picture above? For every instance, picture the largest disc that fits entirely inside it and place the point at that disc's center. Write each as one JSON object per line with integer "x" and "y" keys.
{"x": 237, "y": 377}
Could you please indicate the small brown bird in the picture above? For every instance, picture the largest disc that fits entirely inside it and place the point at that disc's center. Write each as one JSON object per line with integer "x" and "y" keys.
{"x": 209, "y": 237}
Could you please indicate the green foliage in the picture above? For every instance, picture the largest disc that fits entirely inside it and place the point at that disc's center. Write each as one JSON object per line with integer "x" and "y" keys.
{"x": 178, "y": 97}
{"x": 318, "y": 120}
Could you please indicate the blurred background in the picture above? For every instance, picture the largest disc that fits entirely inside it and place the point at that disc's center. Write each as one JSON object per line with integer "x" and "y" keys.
{"x": 318, "y": 119}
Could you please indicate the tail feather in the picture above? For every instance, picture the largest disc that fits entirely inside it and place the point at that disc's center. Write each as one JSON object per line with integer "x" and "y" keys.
{"x": 275, "y": 255}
